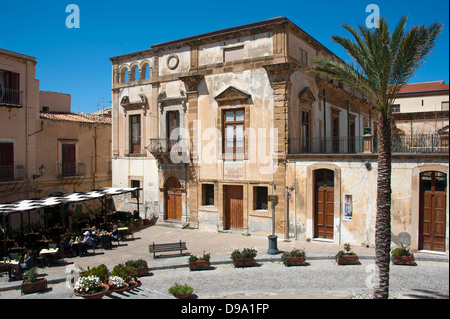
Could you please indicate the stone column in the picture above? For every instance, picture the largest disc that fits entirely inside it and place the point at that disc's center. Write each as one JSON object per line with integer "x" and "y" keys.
{"x": 192, "y": 187}
{"x": 279, "y": 74}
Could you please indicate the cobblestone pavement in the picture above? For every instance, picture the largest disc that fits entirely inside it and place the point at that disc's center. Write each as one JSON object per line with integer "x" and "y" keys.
{"x": 321, "y": 278}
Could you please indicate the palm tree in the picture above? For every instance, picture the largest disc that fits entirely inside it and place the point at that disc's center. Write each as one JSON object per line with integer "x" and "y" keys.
{"x": 384, "y": 63}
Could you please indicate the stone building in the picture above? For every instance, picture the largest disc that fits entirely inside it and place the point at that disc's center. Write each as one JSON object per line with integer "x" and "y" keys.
{"x": 45, "y": 149}
{"x": 221, "y": 127}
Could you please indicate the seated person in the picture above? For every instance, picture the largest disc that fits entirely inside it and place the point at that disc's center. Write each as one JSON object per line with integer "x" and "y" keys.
{"x": 114, "y": 235}
{"x": 87, "y": 242}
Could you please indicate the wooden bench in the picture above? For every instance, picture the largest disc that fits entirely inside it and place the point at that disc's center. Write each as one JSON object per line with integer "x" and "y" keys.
{"x": 157, "y": 248}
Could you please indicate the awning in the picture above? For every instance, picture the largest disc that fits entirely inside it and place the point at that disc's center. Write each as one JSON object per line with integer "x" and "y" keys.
{"x": 32, "y": 204}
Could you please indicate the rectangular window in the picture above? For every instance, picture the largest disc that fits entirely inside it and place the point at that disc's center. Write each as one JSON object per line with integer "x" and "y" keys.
{"x": 395, "y": 108}
{"x": 234, "y": 126}
{"x": 233, "y": 54}
{"x": 260, "y": 198}
{"x": 303, "y": 57}
{"x": 135, "y": 134}
{"x": 208, "y": 195}
{"x": 135, "y": 183}
{"x": 6, "y": 161}
{"x": 305, "y": 129}
{"x": 9, "y": 87}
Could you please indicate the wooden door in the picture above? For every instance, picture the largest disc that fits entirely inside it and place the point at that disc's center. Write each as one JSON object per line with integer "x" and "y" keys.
{"x": 234, "y": 208}
{"x": 174, "y": 199}
{"x": 324, "y": 204}
{"x": 68, "y": 160}
{"x": 433, "y": 200}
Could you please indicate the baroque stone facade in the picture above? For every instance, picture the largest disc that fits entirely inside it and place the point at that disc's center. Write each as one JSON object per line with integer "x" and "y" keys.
{"x": 220, "y": 128}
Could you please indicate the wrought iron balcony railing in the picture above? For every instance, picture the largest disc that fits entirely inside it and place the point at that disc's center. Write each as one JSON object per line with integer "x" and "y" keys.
{"x": 10, "y": 97}
{"x": 167, "y": 145}
{"x": 330, "y": 145}
{"x": 71, "y": 169}
{"x": 10, "y": 173}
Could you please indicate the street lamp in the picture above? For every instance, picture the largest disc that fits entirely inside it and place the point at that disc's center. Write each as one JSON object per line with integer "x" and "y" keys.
{"x": 41, "y": 170}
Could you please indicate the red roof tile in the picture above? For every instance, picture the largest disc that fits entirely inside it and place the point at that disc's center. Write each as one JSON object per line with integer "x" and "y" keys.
{"x": 424, "y": 87}
{"x": 77, "y": 117}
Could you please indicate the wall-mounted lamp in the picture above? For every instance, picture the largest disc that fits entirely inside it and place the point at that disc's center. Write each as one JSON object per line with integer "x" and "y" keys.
{"x": 368, "y": 165}
{"x": 41, "y": 170}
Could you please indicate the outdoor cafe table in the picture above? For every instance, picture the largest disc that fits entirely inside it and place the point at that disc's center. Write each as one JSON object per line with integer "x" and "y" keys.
{"x": 10, "y": 264}
{"x": 48, "y": 252}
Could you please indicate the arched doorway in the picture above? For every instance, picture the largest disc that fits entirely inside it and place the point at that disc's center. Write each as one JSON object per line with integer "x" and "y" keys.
{"x": 432, "y": 213}
{"x": 324, "y": 203}
{"x": 174, "y": 199}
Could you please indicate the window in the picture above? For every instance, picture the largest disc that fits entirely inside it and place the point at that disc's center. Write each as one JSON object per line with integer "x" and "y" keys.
{"x": 395, "y": 108}
{"x": 135, "y": 73}
{"x": 233, "y": 124}
{"x": 303, "y": 57}
{"x": 305, "y": 124}
{"x": 233, "y": 54}
{"x": 135, "y": 183}
{"x": 9, "y": 88}
{"x": 6, "y": 161}
{"x": 208, "y": 194}
{"x": 260, "y": 198}
{"x": 135, "y": 134}
{"x": 124, "y": 75}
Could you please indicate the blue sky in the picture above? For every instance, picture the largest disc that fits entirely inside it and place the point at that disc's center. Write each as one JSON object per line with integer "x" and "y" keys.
{"x": 76, "y": 61}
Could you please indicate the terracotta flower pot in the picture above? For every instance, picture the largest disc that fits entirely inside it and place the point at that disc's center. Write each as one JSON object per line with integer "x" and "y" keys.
{"x": 184, "y": 296}
{"x": 295, "y": 261}
{"x": 142, "y": 271}
{"x": 199, "y": 265}
{"x": 348, "y": 260}
{"x": 403, "y": 260}
{"x": 36, "y": 286}
{"x": 132, "y": 285}
{"x": 119, "y": 290}
{"x": 95, "y": 295}
{"x": 244, "y": 262}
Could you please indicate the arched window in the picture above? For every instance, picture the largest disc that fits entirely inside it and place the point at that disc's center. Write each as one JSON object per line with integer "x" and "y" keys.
{"x": 145, "y": 69}
{"x": 135, "y": 73}
{"x": 124, "y": 75}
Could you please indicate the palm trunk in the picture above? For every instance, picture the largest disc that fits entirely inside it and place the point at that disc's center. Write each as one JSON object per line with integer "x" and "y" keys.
{"x": 383, "y": 219}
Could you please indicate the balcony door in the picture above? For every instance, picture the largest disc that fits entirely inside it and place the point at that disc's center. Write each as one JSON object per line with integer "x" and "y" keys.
{"x": 173, "y": 123}
{"x": 6, "y": 161}
{"x": 68, "y": 160}
{"x": 135, "y": 134}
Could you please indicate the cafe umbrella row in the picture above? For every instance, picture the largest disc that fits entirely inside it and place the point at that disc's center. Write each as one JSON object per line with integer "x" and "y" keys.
{"x": 26, "y": 206}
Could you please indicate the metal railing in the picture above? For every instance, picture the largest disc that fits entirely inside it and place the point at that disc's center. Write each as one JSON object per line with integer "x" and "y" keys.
{"x": 11, "y": 173}
{"x": 71, "y": 169}
{"x": 329, "y": 145}
{"x": 420, "y": 143}
{"x": 167, "y": 145}
{"x": 10, "y": 97}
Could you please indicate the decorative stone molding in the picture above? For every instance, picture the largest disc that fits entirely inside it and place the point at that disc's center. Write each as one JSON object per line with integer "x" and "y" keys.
{"x": 172, "y": 61}
{"x": 163, "y": 99}
{"x": 232, "y": 94}
{"x": 306, "y": 95}
{"x": 281, "y": 71}
{"x": 192, "y": 81}
{"x": 134, "y": 105}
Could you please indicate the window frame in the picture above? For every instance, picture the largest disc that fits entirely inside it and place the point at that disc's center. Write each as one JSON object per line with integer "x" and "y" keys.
{"x": 135, "y": 148}
{"x": 233, "y": 123}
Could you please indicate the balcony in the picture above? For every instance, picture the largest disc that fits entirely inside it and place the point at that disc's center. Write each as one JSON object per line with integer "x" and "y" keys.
{"x": 330, "y": 145}
{"x": 416, "y": 144}
{"x": 71, "y": 169}
{"x": 169, "y": 150}
{"x": 10, "y": 97}
{"x": 9, "y": 173}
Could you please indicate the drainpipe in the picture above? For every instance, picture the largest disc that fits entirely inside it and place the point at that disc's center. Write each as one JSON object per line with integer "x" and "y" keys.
{"x": 324, "y": 122}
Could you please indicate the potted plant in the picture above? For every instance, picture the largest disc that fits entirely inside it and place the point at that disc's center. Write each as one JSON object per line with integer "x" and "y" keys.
{"x": 181, "y": 291}
{"x": 347, "y": 257}
{"x": 244, "y": 258}
{"x": 31, "y": 282}
{"x": 295, "y": 257}
{"x": 90, "y": 287}
{"x": 127, "y": 273}
{"x": 117, "y": 284}
{"x": 100, "y": 271}
{"x": 199, "y": 263}
{"x": 402, "y": 256}
{"x": 140, "y": 265}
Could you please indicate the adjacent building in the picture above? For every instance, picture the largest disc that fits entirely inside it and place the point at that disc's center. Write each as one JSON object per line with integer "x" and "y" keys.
{"x": 45, "y": 149}
{"x": 227, "y": 131}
